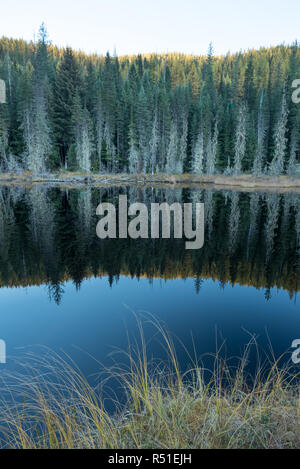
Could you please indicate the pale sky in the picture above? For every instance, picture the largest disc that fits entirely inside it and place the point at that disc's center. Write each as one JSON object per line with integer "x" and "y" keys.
{"x": 134, "y": 26}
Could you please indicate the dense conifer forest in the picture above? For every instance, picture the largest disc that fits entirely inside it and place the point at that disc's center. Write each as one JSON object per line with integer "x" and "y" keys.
{"x": 170, "y": 113}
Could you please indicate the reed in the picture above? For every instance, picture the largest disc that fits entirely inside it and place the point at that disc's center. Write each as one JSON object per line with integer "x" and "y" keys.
{"x": 49, "y": 404}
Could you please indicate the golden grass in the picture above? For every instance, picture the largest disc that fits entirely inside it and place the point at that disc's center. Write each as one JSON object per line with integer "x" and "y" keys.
{"x": 164, "y": 408}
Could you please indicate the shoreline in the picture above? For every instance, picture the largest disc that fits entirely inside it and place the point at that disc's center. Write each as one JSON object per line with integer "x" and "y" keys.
{"x": 163, "y": 408}
{"x": 245, "y": 182}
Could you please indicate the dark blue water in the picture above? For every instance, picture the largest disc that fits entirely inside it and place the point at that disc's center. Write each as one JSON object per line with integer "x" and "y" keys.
{"x": 63, "y": 288}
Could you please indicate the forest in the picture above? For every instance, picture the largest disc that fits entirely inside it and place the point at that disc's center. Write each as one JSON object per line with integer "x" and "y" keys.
{"x": 157, "y": 113}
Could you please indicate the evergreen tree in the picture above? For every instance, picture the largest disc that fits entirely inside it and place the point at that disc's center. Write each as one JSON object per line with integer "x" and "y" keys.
{"x": 277, "y": 164}
{"x": 258, "y": 163}
{"x": 198, "y": 155}
{"x": 160, "y": 112}
{"x": 67, "y": 87}
{"x": 240, "y": 140}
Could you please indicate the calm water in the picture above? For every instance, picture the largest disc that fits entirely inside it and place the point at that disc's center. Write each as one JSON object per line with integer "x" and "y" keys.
{"x": 64, "y": 288}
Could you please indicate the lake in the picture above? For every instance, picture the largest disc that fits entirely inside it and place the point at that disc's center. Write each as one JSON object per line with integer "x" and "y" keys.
{"x": 64, "y": 289}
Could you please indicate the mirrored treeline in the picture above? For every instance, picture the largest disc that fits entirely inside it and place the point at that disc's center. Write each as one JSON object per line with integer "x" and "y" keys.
{"x": 48, "y": 236}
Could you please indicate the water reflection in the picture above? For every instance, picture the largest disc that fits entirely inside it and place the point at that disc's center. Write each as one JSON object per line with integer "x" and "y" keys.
{"x": 48, "y": 235}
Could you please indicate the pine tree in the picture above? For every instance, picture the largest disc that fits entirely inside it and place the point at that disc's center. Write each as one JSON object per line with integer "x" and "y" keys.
{"x": 149, "y": 110}
{"x": 3, "y": 137}
{"x": 294, "y": 148}
{"x": 277, "y": 164}
{"x": 211, "y": 150}
{"x": 38, "y": 140}
{"x": 198, "y": 155}
{"x": 240, "y": 140}
{"x": 258, "y": 163}
{"x": 99, "y": 135}
{"x": 134, "y": 160}
{"x": 172, "y": 154}
{"x": 67, "y": 86}
{"x": 83, "y": 139}
{"x": 37, "y": 133}
{"x": 182, "y": 145}
{"x": 154, "y": 143}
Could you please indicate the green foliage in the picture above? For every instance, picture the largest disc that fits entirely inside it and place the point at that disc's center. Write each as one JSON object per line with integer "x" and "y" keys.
{"x": 157, "y": 95}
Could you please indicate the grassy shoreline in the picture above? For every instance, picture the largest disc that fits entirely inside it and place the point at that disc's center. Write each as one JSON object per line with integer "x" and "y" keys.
{"x": 160, "y": 413}
{"x": 164, "y": 407}
{"x": 241, "y": 182}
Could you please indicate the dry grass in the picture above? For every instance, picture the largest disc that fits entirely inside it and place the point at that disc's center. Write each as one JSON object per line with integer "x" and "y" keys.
{"x": 164, "y": 408}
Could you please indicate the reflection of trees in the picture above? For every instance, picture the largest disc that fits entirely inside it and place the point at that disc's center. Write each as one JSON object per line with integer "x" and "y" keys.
{"x": 254, "y": 209}
{"x": 85, "y": 211}
{"x": 297, "y": 228}
{"x": 42, "y": 229}
{"x": 42, "y": 219}
{"x": 272, "y": 202}
{"x": 7, "y": 222}
{"x": 208, "y": 212}
{"x": 234, "y": 221}
{"x": 48, "y": 236}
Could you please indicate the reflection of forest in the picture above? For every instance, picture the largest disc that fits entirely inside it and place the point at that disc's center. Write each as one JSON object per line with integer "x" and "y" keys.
{"x": 49, "y": 236}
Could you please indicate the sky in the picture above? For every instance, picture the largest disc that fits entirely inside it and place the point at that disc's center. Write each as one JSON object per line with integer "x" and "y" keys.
{"x": 141, "y": 26}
